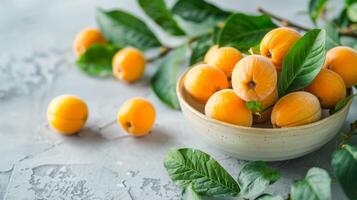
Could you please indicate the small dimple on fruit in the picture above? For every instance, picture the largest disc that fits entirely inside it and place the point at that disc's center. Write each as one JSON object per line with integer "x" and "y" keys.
{"x": 268, "y": 54}
{"x": 251, "y": 85}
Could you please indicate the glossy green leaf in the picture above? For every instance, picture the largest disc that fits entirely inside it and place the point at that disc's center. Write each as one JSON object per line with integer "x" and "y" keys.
{"x": 303, "y": 62}
{"x": 269, "y": 197}
{"x": 158, "y": 11}
{"x": 97, "y": 60}
{"x": 332, "y": 37}
{"x": 189, "y": 194}
{"x": 344, "y": 163}
{"x": 245, "y": 31}
{"x": 316, "y": 7}
{"x": 208, "y": 178}
{"x": 164, "y": 80}
{"x": 352, "y": 12}
{"x": 343, "y": 103}
{"x": 198, "y": 11}
{"x": 255, "y": 177}
{"x": 123, "y": 29}
{"x": 315, "y": 186}
{"x": 199, "y": 48}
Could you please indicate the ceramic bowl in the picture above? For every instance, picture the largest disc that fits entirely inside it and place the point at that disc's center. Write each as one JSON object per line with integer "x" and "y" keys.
{"x": 253, "y": 143}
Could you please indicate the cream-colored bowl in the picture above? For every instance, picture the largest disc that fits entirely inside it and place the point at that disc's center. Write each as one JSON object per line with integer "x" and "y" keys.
{"x": 252, "y": 143}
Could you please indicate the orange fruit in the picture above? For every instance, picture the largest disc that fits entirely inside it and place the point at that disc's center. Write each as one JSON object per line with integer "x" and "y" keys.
{"x": 136, "y": 116}
{"x": 203, "y": 80}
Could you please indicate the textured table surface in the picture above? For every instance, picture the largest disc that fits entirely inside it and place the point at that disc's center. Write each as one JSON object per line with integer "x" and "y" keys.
{"x": 36, "y": 64}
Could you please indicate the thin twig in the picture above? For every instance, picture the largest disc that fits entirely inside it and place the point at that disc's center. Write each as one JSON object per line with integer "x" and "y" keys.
{"x": 287, "y": 22}
{"x": 164, "y": 51}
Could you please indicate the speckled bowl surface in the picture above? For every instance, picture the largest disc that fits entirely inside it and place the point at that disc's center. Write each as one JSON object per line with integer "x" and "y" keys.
{"x": 259, "y": 143}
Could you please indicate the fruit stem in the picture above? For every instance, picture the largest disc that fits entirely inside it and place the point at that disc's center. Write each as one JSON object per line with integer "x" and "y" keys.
{"x": 286, "y": 22}
{"x": 107, "y": 125}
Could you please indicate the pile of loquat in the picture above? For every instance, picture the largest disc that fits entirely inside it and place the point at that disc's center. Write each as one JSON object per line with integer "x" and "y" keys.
{"x": 228, "y": 83}
{"x": 68, "y": 113}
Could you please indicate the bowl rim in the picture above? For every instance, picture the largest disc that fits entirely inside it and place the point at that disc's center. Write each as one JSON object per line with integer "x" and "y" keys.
{"x": 180, "y": 89}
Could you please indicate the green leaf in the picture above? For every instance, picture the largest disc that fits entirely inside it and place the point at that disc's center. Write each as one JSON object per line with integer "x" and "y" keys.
{"x": 199, "y": 48}
{"x": 97, "y": 60}
{"x": 245, "y": 31}
{"x": 352, "y": 12}
{"x": 315, "y": 186}
{"x": 157, "y": 10}
{"x": 208, "y": 178}
{"x": 349, "y": 2}
{"x": 198, "y": 11}
{"x": 254, "y": 50}
{"x": 254, "y": 106}
{"x": 332, "y": 37}
{"x": 342, "y": 20}
{"x": 269, "y": 197}
{"x": 189, "y": 194}
{"x": 316, "y": 7}
{"x": 255, "y": 177}
{"x": 343, "y": 103}
{"x": 123, "y": 29}
{"x": 303, "y": 62}
{"x": 344, "y": 164}
{"x": 164, "y": 80}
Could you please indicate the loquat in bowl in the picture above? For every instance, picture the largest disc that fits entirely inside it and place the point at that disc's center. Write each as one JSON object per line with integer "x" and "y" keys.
{"x": 259, "y": 141}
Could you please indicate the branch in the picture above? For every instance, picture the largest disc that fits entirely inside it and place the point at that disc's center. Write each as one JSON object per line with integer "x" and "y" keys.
{"x": 163, "y": 52}
{"x": 287, "y": 22}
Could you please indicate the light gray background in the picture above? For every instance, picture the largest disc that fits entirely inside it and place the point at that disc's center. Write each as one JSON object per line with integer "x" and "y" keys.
{"x": 36, "y": 64}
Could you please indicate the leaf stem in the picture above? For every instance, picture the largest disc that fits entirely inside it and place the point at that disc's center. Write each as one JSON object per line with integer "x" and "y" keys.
{"x": 163, "y": 52}
{"x": 347, "y": 137}
{"x": 286, "y": 22}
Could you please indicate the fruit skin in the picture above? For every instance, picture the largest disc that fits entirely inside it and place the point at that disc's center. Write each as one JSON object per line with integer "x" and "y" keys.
{"x": 328, "y": 87}
{"x": 67, "y": 114}
{"x": 296, "y": 108}
{"x": 343, "y": 61}
{"x": 277, "y": 43}
{"x": 209, "y": 54}
{"x": 136, "y": 116}
{"x": 128, "y": 64}
{"x": 224, "y": 58}
{"x": 85, "y": 39}
{"x": 203, "y": 80}
{"x": 226, "y": 106}
{"x": 254, "y": 78}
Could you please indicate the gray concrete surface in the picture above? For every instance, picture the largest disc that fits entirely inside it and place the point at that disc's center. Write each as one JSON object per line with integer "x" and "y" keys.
{"x": 36, "y": 64}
